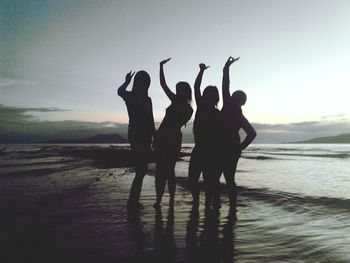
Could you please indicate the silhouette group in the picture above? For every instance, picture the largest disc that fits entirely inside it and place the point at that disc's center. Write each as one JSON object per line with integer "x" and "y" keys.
{"x": 218, "y": 145}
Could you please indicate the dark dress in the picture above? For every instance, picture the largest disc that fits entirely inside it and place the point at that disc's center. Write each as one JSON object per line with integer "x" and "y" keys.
{"x": 169, "y": 137}
{"x": 168, "y": 145}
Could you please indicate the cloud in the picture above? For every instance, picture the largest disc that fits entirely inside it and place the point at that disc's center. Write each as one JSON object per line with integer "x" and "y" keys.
{"x": 19, "y": 114}
{"x": 19, "y": 125}
{"x": 7, "y": 83}
{"x": 301, "y": 130}
{"x": 53, "y": 109}
{"x": 109, "y": 124}
{"x": 334, "y": 117}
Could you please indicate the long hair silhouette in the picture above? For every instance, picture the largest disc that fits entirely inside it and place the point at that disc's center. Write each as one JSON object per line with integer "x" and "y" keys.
{"x": 207, "y": 129}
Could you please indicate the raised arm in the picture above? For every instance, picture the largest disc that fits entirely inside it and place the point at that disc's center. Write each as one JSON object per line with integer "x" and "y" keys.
{"x": 250, "y": 131}
{"x": 122, "y": 89}
{"x": 198, "y": 81}
{"x": 226, "y": 80}
{"x": 165, "y": 87}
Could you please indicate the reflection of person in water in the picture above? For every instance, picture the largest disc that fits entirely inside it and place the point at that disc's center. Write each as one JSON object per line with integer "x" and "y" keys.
{"x": 141, "y": 128}
{"x": 228, "y": 242}
{"x": 164, "y": 243}
{"x": 206, "y": 244}
{"x": 192, "y": 240}
{"x": 169, "y": 137}
{"x": 234, "y": 120}
{"x": 207, "y": 129}
{"x": 137, "y": 235}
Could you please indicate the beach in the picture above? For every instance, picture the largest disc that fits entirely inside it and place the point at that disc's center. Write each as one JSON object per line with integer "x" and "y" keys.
{"x": 67, "y": 203}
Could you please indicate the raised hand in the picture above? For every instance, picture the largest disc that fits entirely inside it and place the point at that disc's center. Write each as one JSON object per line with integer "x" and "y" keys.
{"x": 129, "y": 76}
{"x": 203, "y": 67}
{"x": 164, "y": 61}
{"x": 230, "y": 61}
{"x": 163, "y": 83}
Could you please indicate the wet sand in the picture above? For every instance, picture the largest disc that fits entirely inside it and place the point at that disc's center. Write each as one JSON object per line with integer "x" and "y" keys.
{"x": 87, "y": 221}
{"x": 76, "y": 212}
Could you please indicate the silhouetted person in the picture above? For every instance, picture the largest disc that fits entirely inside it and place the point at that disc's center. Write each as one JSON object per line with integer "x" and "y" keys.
{"x": 207, "y": 129}
{"x": 234, "y": 120}
{"x": 169, "y": 137}
{"x": 141, "y": 128}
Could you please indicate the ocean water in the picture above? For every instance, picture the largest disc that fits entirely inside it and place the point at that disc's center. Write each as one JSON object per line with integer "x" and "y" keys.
{"x": 293, "y": 206}
{"x": 304, "y": 191}
{"x": 299, "y": 202}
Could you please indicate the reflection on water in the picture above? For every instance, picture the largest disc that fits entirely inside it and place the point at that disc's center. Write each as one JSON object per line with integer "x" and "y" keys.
{"x": 209, "y": 238}
{"x": 164, "y": 244}
{"x": 207, "y": 243}
{"x": 293, "y": 206}
{"x": 136, "y": 234}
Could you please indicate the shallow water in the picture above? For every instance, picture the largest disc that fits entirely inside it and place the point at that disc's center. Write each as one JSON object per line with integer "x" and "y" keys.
{"x": 293, "y": 207}
{"x": 318, "y": 170}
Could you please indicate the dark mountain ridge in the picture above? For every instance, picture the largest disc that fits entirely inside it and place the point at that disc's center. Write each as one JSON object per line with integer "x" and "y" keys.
{"x": 98, "y": 138}
{"x": 341, "y": 138}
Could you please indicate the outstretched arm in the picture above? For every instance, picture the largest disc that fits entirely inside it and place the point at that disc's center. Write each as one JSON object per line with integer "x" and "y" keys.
{"x": 250, "y": 131}
{"x": 197, "y": 83}
{"x": 122, "y": 89}
{"x": 226, "y": 80}
{"x": 165, "y": 87}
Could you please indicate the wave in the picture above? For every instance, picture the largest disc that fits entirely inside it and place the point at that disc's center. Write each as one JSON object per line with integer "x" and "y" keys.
{"x": 259, "y": 149}
{"x": 288, "y": 200}
{"x": 44, "y": 171}
{"x": 35, "y": 162}
{"x": 259, "y": 157}
{"x": 321, "y": 155}
{"x": 2, "y": 151}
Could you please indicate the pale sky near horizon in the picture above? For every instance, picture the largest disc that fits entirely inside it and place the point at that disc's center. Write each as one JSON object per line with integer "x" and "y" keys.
{"x": 294, "y": 55}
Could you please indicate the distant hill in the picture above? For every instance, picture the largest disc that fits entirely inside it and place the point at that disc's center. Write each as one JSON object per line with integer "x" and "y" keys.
{"x": 341, "y": 138}
{"x": 98, "y": 138}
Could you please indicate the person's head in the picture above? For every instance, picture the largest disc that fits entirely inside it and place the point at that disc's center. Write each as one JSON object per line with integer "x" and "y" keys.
{"x": 142, "y": 81}
{"x": 210, "y": 96}
{"x": 183, "y": 92}
{"x": 239, "y": 98}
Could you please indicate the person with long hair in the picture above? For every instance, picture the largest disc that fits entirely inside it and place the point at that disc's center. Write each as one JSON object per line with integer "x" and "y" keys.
{"x": 206, "y": 154}
{"x": 141, "y": 128}
{"x": 169, "y": 137}
{"x": 234, "y": 120}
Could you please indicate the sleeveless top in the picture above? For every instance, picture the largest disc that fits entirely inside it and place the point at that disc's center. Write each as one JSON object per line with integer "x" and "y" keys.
{"x": 177, "y": 115}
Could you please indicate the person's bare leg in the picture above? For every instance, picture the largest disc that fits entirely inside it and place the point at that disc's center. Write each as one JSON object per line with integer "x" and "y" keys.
{"x": 194, "y": 172}
{"x": 136, "y": 186}
{"x": 160, "y": 184}
{"x": 172, "y": 188}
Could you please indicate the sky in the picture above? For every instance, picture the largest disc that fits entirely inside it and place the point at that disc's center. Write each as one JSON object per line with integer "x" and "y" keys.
{"x": 72, "y": 55}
